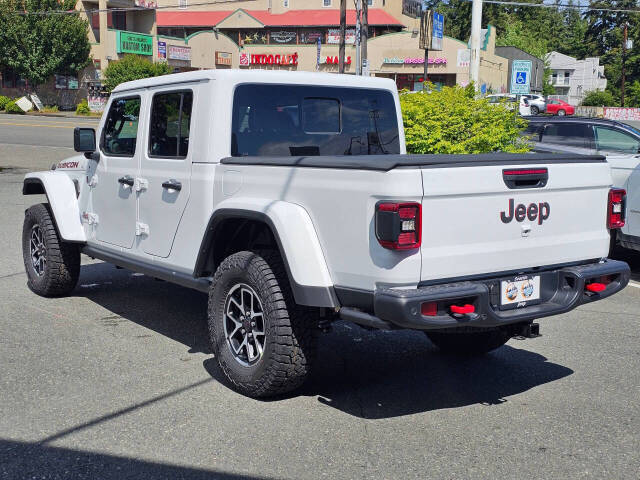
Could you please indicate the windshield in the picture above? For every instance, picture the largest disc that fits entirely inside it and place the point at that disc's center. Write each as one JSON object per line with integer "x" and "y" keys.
{"x": 296, "y": 120}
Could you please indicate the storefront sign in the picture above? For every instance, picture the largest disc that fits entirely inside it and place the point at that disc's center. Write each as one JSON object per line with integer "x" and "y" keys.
{"x": 65, "y": 82}
{"x": 312, "y": 37}
{"x": 438, "y": 31}
{"x": 179, "y": 53}
{"x": 97, "y": 102}
{"x": 36, "y": 101}
{"x": 334, "y": 36}
{"x": 464, "y": 58}
{"x": 139, "y": 43}
{"x": 223, "y": 58}
{"x": 145, "y": 3}
{"x": 415, "y": 61}
{"x": 247, "y": 59}
{"x": 61, "y": 81}
{"x": 162, "y": 50}
{"x": 283, "y": 37}
{"x": 334, "y": 60}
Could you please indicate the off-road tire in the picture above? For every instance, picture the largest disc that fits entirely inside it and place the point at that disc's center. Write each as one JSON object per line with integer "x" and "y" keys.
{"x": 62, "y": 268}
{"x": 534, "y": 110}
{"x": 561, "y": 113}
{"x": 466, "y": 343}
{"x": 291, "y": 331}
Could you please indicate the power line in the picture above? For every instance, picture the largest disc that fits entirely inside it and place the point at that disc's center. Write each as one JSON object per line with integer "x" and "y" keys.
{"x": 124, "y": 9}
{"x": 561, "y": 5}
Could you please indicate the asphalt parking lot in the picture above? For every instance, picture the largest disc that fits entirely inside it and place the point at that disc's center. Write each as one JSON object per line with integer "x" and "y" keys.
{"x": 117, "y": 381}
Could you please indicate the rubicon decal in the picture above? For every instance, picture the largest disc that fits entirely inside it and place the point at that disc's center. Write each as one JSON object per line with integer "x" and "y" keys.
{"x": 539, "y": 211}
{"x": 67, "y": 165}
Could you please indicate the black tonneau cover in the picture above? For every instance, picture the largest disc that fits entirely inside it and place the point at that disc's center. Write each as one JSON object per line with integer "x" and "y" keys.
{"x": 388, "y": 162}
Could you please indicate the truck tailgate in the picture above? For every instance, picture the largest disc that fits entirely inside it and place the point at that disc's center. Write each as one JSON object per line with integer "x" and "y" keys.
{"x": 471, "y": 223}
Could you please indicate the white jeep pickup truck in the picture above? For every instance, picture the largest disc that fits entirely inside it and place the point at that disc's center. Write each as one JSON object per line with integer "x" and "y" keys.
{"x": 290, "y": 199}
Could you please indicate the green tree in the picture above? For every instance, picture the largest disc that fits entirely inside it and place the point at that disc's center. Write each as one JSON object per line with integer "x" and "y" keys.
{"x": 453, "y": 120}
{"x": 132, "y": 67}
{"x": 35, "y": 45}
{"x": 604, "y": 36}
{"x": 517, "y": 35}
{"x": 598, "y": 98}
{"x": 634, "y": 94}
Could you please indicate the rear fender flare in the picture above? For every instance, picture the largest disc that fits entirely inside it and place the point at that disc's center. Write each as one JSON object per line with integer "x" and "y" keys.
{"x": 61, "y": 195}
{"x": 297, "y": 241}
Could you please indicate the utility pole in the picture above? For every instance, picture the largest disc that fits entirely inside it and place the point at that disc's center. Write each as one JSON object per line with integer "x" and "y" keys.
{"x": 365, "y": 36}
{"x": 624, "y": 54}
{"x": 358, "y": 32}
{"x": 476, "y": 27}
{"x": 343, "y": 33}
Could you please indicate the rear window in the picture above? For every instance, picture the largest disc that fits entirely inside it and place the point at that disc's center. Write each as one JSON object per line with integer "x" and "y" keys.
{"x": 571, "y": 134}
{"x": 293, "y": 120}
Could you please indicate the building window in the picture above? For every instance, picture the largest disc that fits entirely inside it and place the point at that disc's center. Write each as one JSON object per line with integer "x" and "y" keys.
{"x": 285, "y": 3}
{"x": 370, "y": 3}
{"x": 183, "y": 4}
{"x": 326, "y": 3}
{"x": 119, "y": 20}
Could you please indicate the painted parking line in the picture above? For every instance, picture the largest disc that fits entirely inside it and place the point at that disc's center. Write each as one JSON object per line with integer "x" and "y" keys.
{"x": 634, "y": 284}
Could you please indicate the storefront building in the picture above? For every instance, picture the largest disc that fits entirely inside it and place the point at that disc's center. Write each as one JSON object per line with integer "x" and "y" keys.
{"x": 297, "y": 35}
{"x": 309, "y": 41}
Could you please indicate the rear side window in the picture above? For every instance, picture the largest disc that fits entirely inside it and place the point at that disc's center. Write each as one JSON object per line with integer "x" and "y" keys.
{"x": 170, "y": 124}
{"x": 610, "y": 139}
{"x": 571, "y": 134}
{"x": 120, "y": 131}
{"x": 293, "y": 120}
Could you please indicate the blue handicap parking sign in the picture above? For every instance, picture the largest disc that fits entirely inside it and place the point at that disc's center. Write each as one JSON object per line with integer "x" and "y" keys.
{"x": 520, "y": 77}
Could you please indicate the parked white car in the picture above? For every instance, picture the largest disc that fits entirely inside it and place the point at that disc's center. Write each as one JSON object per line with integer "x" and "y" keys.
{"x": 618, "y": 142}
{"x": 290, "y": 199}
{"x": 511, "y": 100}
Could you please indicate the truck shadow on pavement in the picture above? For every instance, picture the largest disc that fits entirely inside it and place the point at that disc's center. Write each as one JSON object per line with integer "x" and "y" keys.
{"x": 367, "y": 374}
{"x": 21, "y": 460}
{"x": 632, "y": 258}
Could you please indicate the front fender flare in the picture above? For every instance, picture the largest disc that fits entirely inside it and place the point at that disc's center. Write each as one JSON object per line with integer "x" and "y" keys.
{"x": 297, "y": 241}
{"x": 61, "y": 195}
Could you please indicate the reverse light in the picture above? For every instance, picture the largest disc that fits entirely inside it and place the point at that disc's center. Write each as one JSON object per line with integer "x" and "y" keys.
{"x": 398, "y": 225}
{"x": 615, "y": 208}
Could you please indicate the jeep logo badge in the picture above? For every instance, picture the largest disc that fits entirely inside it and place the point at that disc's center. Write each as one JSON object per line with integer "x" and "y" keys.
{"x": 534, "y": 211}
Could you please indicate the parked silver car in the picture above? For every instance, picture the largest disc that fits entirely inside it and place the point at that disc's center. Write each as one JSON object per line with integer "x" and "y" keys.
{"x": 537, "y": 103}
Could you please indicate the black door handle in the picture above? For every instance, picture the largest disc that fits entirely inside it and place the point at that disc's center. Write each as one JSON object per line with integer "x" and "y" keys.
{"x": 126, "y": 180}
{"x": 172, "y": 185}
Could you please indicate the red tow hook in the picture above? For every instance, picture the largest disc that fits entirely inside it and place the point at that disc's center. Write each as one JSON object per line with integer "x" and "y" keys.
{"x": 596, "y": 287}
{"x": 462, "y": 309}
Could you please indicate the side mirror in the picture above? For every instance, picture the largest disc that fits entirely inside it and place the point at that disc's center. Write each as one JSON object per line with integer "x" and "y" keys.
{"x": 84, "y": 140}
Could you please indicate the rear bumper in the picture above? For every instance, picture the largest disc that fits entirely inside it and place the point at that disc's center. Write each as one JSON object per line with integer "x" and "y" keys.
{"x": 562, "y": 290}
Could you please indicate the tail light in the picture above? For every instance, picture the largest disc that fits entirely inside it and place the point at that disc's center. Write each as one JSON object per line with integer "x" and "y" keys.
{"x": 398, "y": 225}
{"x": 615, "y": 208}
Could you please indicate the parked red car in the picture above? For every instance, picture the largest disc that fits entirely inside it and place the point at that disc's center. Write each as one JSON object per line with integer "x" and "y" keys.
{"x": 559, "y": 107}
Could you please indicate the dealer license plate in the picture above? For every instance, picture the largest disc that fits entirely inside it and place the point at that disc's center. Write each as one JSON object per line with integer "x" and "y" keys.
{"x": 520, "y": 291}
